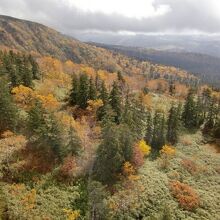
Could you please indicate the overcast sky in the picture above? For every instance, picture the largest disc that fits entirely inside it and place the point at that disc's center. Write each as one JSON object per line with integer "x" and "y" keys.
{"x": 131, "y": 16}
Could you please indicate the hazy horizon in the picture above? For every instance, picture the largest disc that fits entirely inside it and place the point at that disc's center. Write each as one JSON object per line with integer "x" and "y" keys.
{"x": 158, "y": 17}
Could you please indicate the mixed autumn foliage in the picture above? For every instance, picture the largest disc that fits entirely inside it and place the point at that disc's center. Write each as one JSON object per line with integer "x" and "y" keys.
{"x": 77, "y": 140}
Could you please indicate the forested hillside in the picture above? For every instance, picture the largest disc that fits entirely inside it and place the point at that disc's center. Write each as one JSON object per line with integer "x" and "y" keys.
{"x": 81, "y": 140}
{"x": 204, "y": 66}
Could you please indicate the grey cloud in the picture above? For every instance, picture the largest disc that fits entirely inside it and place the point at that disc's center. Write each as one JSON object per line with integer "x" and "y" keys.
{"x": 184, "y": 15}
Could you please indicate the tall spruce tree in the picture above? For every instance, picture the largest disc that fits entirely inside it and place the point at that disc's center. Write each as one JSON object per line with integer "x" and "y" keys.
{"x": 121, "y": 82}
{"x": 103, "y": 110}
{"x": 11, "y": 69}
{"x": 115, "y": 149}
{"x": 34, "y": 67}
{"x": 115, "y": 102}
{"x": 92, "y": 90}
{"x": 108, "y": 116}
{"x": 158, "y": 138}
{"x": 44, "y": 130}
{"x": 74, "y": 145}
{"x": 149, "y": 129}
{"x": 37, "y": 124}
{"x": 74, "y": 93}
{"x": 103, "y": 93}
{"x": 216, "y": 130}
{"x": 8, "y": 110}
{"x": 210, "y": 121}
{"x": 26, "y": 73}
{"x": 199, "y": 112}
{"x": 54, "y": 136}
{"x": 173, "y": 125}
{"x": 83, "y": 95}
{"x": 109, "y": 157}
{"x": 134, "y": 116}
{"x": 189, "y": 115}
{"x": 206, "y": 101}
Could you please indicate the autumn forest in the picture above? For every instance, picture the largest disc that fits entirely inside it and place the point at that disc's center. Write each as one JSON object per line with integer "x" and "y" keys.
{"x": 89, "y": 133}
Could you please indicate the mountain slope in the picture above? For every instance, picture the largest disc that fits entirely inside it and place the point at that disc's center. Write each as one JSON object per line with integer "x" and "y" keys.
{"x": 205, "y": 66}
{"x": 29, "y": 36}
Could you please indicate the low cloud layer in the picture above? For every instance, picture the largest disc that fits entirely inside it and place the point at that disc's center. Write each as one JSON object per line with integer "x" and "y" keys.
{"x": 182, "y": 16}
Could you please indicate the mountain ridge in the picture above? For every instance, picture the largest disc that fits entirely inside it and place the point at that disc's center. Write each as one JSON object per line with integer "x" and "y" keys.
{"x": 31, "y": 37}
{"x": 28, "y": 36}
{"x": 205, "y": 66}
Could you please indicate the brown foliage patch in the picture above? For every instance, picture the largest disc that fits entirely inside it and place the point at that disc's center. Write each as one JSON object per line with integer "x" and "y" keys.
{"x": 68, "y": 168}
{"x": 190, "y": 166}
{"x": 38, "y": 160}
{"x": 186, "y": 196}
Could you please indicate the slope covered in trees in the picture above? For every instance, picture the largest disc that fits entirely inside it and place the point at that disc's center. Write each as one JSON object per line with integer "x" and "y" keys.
{"x": 26, "y": 36}
{"x": 79, "y": 142}
{"x": 205, "y": 66}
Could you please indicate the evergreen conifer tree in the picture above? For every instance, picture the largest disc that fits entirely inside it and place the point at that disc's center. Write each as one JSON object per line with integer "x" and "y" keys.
{"x": 149, "y": 129}
{"x": 44, "y": 130}
{"x": 83, "y": 94}
{"x": 115, "y": 149}
{"x": 210, "y": 121}
{"x": 115, "y": 102}
{"x": 158, "y": 138}
{"x": 73, "y": 99}
{"x": 27, "y": 75}
{"x": 135, "y": 116}
{"x": 34, "y": 68}
{"x": 37, "y": 125}
{"x": 54, "y": 139}
{"x": 103, "y": 110}
{"x": 92, "y": 90}
{"x": 74, "y": 144}
{"x": 189, "y": 115}
{"x": 8, "y": 110}
{"x": 173, "y": 125}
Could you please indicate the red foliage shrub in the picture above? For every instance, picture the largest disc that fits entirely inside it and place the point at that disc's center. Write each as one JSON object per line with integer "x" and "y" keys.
{"x": 68, "y": 168}
{"x": 185, "y": 195}
{"x": 138, "y": 157}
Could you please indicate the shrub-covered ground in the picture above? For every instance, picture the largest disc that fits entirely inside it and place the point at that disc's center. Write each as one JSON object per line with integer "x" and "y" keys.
{"x": 194, "y": 168}
{"x": 194, "y": 165}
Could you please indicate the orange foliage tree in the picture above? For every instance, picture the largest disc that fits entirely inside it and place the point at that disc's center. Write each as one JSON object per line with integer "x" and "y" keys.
{"x": 185, "y": 195}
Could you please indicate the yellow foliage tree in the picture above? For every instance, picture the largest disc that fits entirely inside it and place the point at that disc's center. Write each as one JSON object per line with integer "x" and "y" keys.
{"x": 23, "y": 95}
{"x": 48, "y": 102}
{"x": 26, "y": 96}
{"x": 145, "y": 148}
{"x": 72, "y": 215}
{"x": 168, "y": 150}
